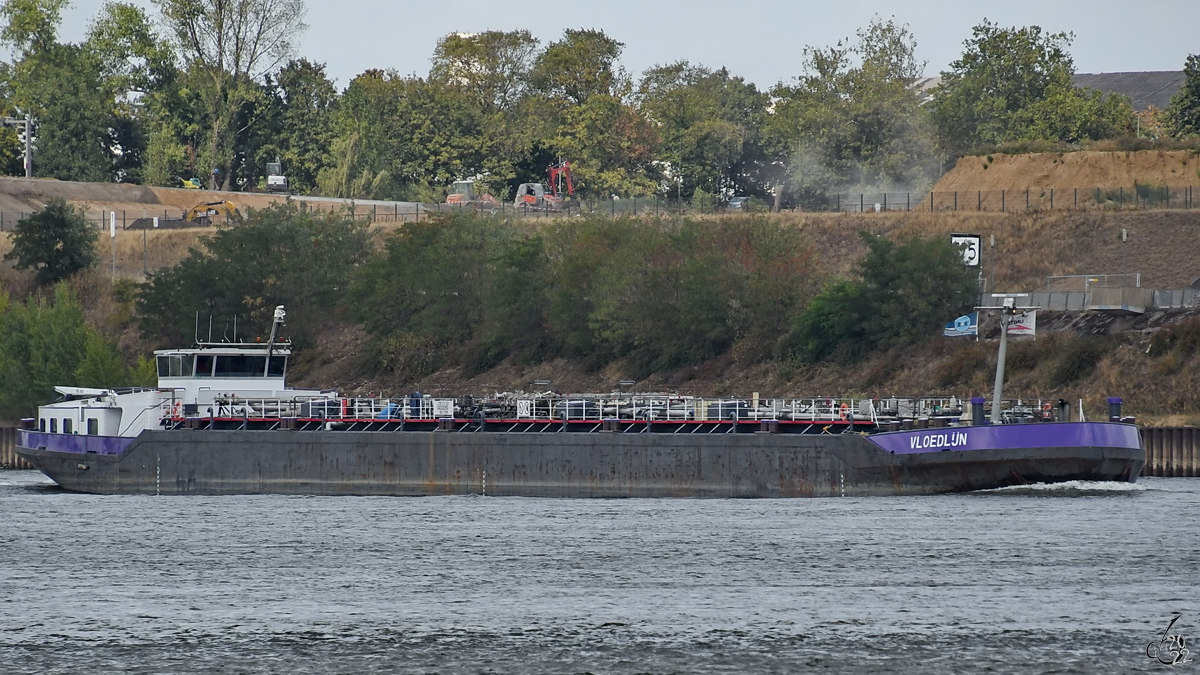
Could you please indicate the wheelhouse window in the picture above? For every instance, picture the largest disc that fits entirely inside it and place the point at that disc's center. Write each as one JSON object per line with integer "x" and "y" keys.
{"x": 245, "y": 365}
{"x": 54, "y": 425}
{"x": 175, "y": 365}
{"x": 42, "y": 424}
{"x": 66, "y": 425}
{"x": 93, "y": 426}
{"x": 204, "y": 365}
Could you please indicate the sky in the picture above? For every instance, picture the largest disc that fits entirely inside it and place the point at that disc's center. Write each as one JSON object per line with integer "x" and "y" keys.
{"x": 760, "y": 40}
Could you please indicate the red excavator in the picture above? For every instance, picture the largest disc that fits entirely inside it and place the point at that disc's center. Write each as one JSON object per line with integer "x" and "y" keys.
{"x": 537, "y": 195}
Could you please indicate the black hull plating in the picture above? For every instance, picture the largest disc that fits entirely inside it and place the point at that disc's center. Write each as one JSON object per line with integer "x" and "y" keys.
{"x": 561, "y": 465}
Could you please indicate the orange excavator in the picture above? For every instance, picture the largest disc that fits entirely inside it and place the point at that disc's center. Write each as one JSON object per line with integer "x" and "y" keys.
{"x": 537, "y": 195}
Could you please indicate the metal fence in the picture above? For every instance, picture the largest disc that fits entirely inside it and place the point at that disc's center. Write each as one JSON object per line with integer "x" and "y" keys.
{"x": 999, "y": 201}
{"x": 1099, "y": 298}
{"x": 1009, "y": 201}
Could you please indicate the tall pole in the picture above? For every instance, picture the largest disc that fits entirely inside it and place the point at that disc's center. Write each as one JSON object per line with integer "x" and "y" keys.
{"x": 112, "y": 233}
{"x": 1124, "y": 256}
{"x": 998, "y": 390}
{"x": 28, "y": 146}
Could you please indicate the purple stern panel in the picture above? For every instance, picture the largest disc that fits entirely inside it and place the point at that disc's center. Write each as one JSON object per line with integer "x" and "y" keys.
{"x": 1056, "y": 435}
{"x": 82, "y": 445}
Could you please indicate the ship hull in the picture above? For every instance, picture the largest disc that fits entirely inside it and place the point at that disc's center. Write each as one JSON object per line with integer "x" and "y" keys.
{"x": 582, "y": 465}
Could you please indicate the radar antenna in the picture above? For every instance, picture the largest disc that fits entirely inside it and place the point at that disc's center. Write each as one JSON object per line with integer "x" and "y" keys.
{"x": 280, "y": 315}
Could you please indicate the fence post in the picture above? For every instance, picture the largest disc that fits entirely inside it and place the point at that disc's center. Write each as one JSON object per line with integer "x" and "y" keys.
{"x": 861, "y": 208}
{"x": 1026, "y": 199}
{"x": 956, "y": 200}
{"x": 885, "y": 201}
{"x": 931, "y": 201}
{"x": 1002, "y": 206}
{"x": 979, "y": 201}
{"x": 1076, "y": 197}
{"x": 908, "y": 201}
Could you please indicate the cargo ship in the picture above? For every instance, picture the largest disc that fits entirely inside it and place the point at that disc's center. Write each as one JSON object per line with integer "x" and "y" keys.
{"x": 223, "y": 421}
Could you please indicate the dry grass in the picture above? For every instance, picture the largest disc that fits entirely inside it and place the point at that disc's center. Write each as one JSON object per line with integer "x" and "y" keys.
{"x": 1062, "y": 171}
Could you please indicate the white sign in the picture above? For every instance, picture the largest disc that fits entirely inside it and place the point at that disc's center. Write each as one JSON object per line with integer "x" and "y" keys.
{"x": 112, "y": 225}
{"x": 1023, "y": 323}
{"x": 443, "y": 407}
{"x": 972, "y": 248}
{"x": 524, "y": 408}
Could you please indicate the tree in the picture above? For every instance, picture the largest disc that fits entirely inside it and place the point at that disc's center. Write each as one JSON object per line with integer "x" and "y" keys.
{"x": 55, "y": 242}
{"x": 710, "y": 126}
{"x": 62, "y": 87}
{"x": 493, "y": 66}
{"x": 86, "y": 99}
{"x": 904, "y": 291}
{"x": 854, "y": 120}
{"x": 1015, "y": 84}
{"x": 1183, "y": 113}
{"x": 280, "y": 255}
{"x": 581, "y": 65}
{"x": 231, "y": 43}
{"x": 44, "y": 344}
{"x": 305, "y": 98}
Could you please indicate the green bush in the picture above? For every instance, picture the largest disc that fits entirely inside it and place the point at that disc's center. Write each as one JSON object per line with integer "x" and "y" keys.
{"x": 55, "y": 242}
{"x": 45, "y": 343}
{"x": 657, "y": 293}
{"x": 281, "y": 255}
{"x": 905, "y": 291}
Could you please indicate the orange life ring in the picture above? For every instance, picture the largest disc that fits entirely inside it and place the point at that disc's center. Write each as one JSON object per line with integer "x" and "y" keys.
{"x": 176, "y": 412}
{"x": 1047, "y": 411}
{"x": 845, "y": 411}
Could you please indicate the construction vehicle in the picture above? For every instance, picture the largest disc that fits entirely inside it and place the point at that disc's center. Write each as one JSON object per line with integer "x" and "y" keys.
{"x": 276, "y": 181}
{"x": 539, "y": 196}
{"x": 465, "y": 192}
{"x": 204, "y": 213}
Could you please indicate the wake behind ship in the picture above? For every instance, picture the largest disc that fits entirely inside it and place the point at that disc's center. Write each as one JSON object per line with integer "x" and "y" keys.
{"x": 222, "y": 421}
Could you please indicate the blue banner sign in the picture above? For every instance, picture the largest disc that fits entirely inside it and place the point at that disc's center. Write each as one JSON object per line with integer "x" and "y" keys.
{"x": 963, "y": 326}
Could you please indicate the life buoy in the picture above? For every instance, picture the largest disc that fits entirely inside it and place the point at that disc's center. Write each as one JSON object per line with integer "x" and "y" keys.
{"x": 1047, "y": 411}
{"x": 175, "y": 412}
{"x": 844, "y": 413}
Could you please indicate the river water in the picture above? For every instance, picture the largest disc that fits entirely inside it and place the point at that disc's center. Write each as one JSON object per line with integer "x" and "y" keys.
{"x": 1065, "y": 579}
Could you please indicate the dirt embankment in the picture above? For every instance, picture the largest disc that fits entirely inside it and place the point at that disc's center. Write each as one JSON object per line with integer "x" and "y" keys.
{"x": 1082, "y": 170}
{"x": 25, "y": 195}
{"x": 1031, "y": 246}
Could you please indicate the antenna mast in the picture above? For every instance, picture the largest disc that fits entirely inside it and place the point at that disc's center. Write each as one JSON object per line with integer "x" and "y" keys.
{"x": 280, "y": 315}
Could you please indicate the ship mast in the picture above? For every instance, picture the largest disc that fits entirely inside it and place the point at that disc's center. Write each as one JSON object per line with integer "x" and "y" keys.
{"x": 1008, "y": 309}
{"x": 280, "y": 315}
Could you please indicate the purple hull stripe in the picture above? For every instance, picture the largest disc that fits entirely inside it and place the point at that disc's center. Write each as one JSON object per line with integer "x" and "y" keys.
{"x": 1039, "y": 435}
{"x": 99, "y": 445}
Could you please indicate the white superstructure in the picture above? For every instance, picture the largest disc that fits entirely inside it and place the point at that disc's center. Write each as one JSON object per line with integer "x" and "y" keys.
{"x": 208, "y": 380}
